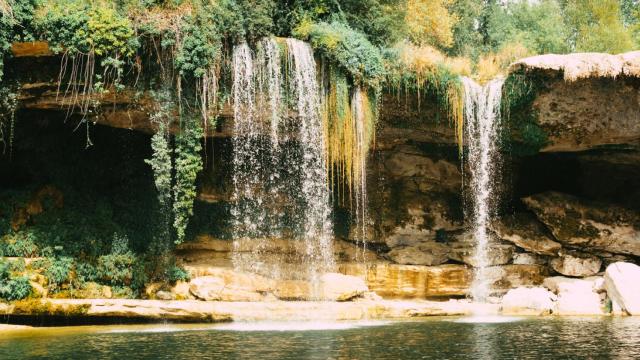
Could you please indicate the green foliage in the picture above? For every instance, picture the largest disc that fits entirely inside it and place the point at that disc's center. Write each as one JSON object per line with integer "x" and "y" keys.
{"x": 12, "y": 287}
{"x": 523, "y": 134}
{"x": 58, "y": 272}
{"x": 21, "y": 244}
{"x": 467, "y": 40}
{"x": 86, "y": 272}
{"x": 538, "y": 26}
{"x": 15, "y": 25}
{"x": 8, "y": 107}
{"x": 597, "y": 26}
{"x": 347, "y": 48}
{"x": 175, "y": 273}
{"x": 79, "y": 26}
{"x": 188, "y": 164}
{"x": 121, "y": 267}
{"x": 380, "y": 20}
{"x": 161, "y": 163}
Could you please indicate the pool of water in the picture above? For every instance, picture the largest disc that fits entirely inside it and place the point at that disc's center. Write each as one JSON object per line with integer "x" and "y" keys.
{"x": 437, "y": 338}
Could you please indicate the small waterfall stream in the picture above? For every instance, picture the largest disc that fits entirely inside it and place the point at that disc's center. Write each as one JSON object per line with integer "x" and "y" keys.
{"x": 280, "y": 178}
{"x": 318, "y": 226}
{"x": 482, "y": 118}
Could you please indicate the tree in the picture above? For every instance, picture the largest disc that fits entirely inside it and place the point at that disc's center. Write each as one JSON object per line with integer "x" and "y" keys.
{"x": 597, "y": 26}
{"x": 430, "y": 23}
{"x": 467, "y": 40}
{"x": 538, "y": 26}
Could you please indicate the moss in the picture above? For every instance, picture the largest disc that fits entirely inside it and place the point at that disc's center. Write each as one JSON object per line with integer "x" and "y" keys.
{"x": 47, "y": 308}
{"x": 523, "y": 135}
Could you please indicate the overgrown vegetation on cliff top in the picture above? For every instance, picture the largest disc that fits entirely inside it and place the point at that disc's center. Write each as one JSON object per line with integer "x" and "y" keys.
{"x": 405, "y": 45}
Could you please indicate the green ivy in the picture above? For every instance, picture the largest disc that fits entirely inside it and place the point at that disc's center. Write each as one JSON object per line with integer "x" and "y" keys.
{"x": 188, "y": 165}
{"x": 523, "y": 135}
{"x": 348, "y": 48}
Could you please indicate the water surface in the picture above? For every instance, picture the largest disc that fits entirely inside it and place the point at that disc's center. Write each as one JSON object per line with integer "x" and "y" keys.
{"x": 438, "y": 338}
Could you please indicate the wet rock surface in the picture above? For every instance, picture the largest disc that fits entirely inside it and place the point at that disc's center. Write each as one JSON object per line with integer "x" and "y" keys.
{"x": 587, "y": 225}
{"x": 576, "y": 264}
{"x": 623, "y": 286}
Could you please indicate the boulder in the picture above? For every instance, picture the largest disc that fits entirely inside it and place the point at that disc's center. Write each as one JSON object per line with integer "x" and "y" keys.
{"x": 228, "y": 285}
{"x": 528, "y": 259}
{"x": 576, "y": 264}
{"x": 164, "y": 295}
{"x": 587, "y": 225}
{"x": 622, "y": 281}
{"x": 526, "y": 232}
{"x": 181, "y": 291}
{"x": 578, "y": 296}
{"x": 427, "y": 253}
{"x": 528, "y": 301}
{"x": 339, "y": 287}
{"x": 293, "y": 290}
{"x": 463, "y": 250}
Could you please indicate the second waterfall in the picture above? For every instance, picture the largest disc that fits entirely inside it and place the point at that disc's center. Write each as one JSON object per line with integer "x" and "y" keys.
{"x": 483, "y": 124}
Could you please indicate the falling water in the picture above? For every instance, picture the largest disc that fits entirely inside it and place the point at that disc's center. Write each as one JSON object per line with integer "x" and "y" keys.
{"x": 360, "y": 175}
{"x": 482, "y": 117}
{"x": 318, "y": 226}
{"x": 280, "y": 175}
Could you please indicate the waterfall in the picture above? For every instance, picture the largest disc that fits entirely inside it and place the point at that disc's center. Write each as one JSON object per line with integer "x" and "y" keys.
{"x": 482, "y": 117}
{"x": 280, "y": 181}
{"x": 359, "y": 105}
{"x": 318, "y": 227}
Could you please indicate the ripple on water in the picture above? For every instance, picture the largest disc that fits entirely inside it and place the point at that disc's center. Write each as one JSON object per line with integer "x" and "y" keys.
{"x": 487, "y": 319}
{"x": 298, "y": 325}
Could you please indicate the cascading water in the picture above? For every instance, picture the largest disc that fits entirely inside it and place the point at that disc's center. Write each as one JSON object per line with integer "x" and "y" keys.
{"x": 318, "y": 226}
{"x": 482, "y": 118}
{"x": 359, "y": 107}
{"x": 280, "y": 176}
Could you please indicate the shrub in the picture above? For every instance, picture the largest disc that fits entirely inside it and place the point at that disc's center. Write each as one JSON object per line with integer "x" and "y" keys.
{"x": 348, "y": 48}
{"x": 15, "y": 288}
{"x": 176, "y": 273}
{"x": 86, "y": 272}
{"x": 20, "y": 244}
{"x": 121, "y": 267}
{"x": 116, "y": 269}
{"x": 58, "y": 272}
{"x": 12, "y": 288}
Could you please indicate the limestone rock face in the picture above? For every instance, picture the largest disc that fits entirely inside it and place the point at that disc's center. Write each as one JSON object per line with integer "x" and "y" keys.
{"x": 527, "y": 233}
{"x": 331, "y": 287}
{"x": 577, "y": 296}
{"x": 591, "y": 226}
{"x": 412, "y": 281}
{"x": 463, "y": 250}
{"x": 528, "y": 301}
{"x": 528, "y": 259}
{"x": 576, "y": 264}
{"x": 622, "y": 281}
{"x": 587, "y": 102}
{"x": 339, "y": 287}
{"x": 228, "y": 285}
{"x": 427, "y": 253}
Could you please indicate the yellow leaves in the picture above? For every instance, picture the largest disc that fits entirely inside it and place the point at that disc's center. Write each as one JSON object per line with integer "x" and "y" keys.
{"x": 430, "y": 23}
{"x": 108, "y": 32}
{"x": 426, "y": 59}
{"x": 492, "y": 64}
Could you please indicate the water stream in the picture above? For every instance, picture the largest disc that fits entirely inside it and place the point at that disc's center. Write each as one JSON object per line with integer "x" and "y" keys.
{"x": 281, "y": 193}
{"x": 482, "y": 118}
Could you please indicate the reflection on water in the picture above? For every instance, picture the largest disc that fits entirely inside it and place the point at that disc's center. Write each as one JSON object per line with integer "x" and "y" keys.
{"x": 429, "y": 339}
